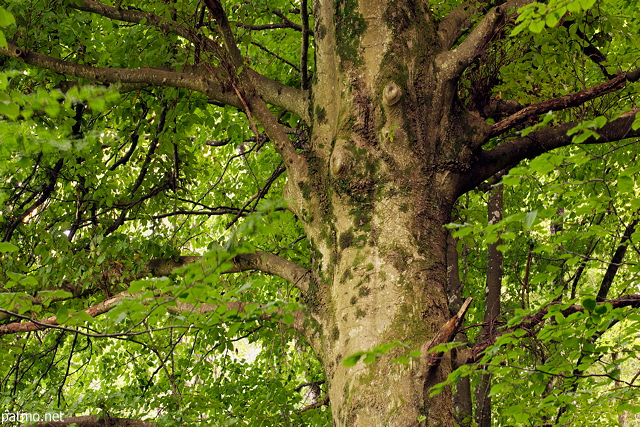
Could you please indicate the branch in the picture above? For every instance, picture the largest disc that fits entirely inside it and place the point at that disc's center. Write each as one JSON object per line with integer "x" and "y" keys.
{"x": 46, "y": 192}
{"x": 268, "y": 26}
{"x": 309, "y": 384}
{"x": 318, "y": 404}
{"x": 107, "y": 305}
{"x": 287, "y": 21}
{"x": 529, "y": 322}
{"x": 453, "y": 62}
{"x": 591, "y": 51}
{"x": 272, "y": 264}
{"x": 273, "y": 92}
{"x": 511, "y": 152}
{"x": 616, "y": 261}
{"x": 567, "y": 101}
{"x": 446, "y": 334}
{"x": 258, "y": 196}
{"x": 497, "y": 108}
{"x": 299, "y": 316}
{"x": 52, "y": 322}
{"x": 275, "y": 55}
{"x": 135, "y": 137}
{"x": 164, "y": 267}
{"x": 304, "y": 49}
{"x": 249, "y": 94}
{"x": 207, "y": 212}
{"x": 217, "y": 11}
{"x": 260, "y": 261}
{"x": 147, "y": 76}
{"x": 454, "y": 24}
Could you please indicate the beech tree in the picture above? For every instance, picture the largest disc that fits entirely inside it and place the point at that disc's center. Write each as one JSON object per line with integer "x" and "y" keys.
{"x": 353, "y": 212}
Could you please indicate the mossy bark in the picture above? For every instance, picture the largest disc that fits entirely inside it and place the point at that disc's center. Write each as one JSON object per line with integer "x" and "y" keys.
{"x": 387, "y": 145}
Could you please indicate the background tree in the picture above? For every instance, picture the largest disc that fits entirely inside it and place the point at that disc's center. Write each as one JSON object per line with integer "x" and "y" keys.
{"x": 227, "y": 213}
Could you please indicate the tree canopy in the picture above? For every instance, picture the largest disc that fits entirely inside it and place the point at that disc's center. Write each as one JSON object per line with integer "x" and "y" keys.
{"x": 256, "y": 213}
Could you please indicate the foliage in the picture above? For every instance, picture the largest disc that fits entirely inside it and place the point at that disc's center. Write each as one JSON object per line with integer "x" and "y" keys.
{"x": 100, "y": 180}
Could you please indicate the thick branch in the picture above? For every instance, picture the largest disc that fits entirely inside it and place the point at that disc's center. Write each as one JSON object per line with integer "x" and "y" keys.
{"x": 511, "y": 152}
{"x": 217, "y": 11}
{"x": 272, "y": 264}
{"x": 273, "y": 92}
{"x": 259, "y": 261}
{"x": 567, "y": 101}
{"x": 453, "y": 62}
{"x": 454, "y": 24}
{"x": 148, "y": 76}
{"x": 497, "y": 109}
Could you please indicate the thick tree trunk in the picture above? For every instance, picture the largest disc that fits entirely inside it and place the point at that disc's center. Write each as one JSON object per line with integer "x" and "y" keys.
{"x": 380, "y": 187}
{"x": 381, "y": 293}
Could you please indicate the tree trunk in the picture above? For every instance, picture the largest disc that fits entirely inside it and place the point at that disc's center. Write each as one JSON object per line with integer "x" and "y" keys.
{"x": 492, "y": 304}
{"x": 462, "y": 399}
{"x": 380, "y": 186}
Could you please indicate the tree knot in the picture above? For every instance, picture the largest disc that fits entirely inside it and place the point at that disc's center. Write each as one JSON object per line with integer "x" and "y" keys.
{"x": 391, "y": 94}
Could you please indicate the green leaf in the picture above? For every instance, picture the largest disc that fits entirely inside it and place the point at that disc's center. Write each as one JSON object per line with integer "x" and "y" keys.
{"x": 288, "y": 319}
{"x": 542, "y": 165}
{"x": 551, "y": 20}
{"x": 7, "y": 247}
{"x": 589, "y": 303}
{"x": 98, "y": 104}
{"x": 369, "y": 358}
{"x": 529, "y": 219}
{"x": 625, "y": 184}
{"x": 603, "y": 308}
{"x": 461, "y": 232}
{"x": 136, "y": 286}
{"x": 586, "y": 4}
{"x": 29, "y": 281}
{"x": 444, "y": 347}
{"x": 519, "y": 333}
{"x": 353, "y": 359}
{"x": 536, "y": 26}
{"x": 599, "y": 122}
{"x": 6, "y": 18}
{"x": 573, "y": 6}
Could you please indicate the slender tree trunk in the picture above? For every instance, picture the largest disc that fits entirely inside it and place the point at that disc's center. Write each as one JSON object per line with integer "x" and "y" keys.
{"x": 492, "y": 304}
{"x": 462, "y": 398}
